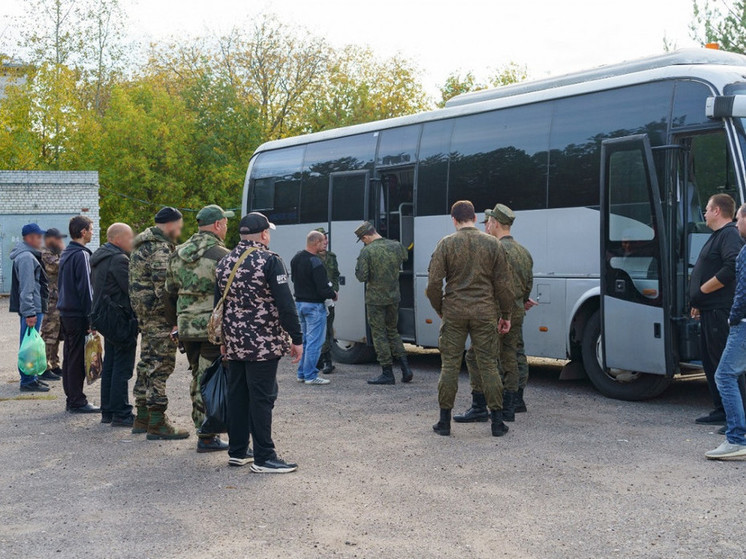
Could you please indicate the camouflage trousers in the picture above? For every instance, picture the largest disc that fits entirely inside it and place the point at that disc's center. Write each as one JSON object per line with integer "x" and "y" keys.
{"x": 157, "y": 362}
{"x": 384, "y": 329}
{"x": 51, "y": 332}
{"x": 200, "y": 355}
{"x": 522, "y": 361}
{"x": 484, "y": 348}
{"x": 327, "y": 347}
{"x": 507, "y": 362}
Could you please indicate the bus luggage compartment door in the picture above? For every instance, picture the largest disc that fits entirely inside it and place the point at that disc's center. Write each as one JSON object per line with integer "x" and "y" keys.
{"x": 635, "y": 316}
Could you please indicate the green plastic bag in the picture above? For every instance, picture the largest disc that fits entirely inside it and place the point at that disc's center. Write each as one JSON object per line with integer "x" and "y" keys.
{"x": 32, "y": 357}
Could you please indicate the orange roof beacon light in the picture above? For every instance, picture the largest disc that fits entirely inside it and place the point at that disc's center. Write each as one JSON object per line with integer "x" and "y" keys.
{"x": 713, "y": 46}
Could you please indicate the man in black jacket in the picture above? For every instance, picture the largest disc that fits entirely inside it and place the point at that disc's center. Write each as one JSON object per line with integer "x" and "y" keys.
{"x": 74, "y": 304}
{"x": 711, "y": 290}
{"x": 110, "y": 279}
{"x": 312, "y": 287}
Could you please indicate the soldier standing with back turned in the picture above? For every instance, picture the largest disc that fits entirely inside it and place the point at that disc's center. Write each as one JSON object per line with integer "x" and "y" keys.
{"x": 329, "y": 259}
{"x": 148, "y": 267}
{"x": 190, "y": 284}
{"x": 51, "y": 328}
{"x": 378, "y": 267}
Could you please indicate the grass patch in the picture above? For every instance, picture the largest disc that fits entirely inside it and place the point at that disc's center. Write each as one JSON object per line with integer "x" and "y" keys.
{"x": 29, "y": 397}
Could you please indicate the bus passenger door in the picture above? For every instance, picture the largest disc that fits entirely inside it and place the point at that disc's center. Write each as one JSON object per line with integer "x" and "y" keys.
{"x": 635, "y": 277}
{"x": 348, "y": 192}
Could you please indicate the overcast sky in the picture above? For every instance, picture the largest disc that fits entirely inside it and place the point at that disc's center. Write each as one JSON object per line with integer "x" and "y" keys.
{"x": 549, "y": 36}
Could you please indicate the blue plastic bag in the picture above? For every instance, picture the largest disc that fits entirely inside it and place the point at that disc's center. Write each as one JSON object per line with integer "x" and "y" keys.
{"x": 32, "y": 357}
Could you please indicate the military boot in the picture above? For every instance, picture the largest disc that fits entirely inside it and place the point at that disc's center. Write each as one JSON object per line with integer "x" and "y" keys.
{"x": 498, "y": 427}
{"x": 406, "y": 372}
{"x": 520, "y": 404}
{"x": 386, "y": 376}
{"x": 160, "y": 428}
{"x": 141, "y": 421}
{"x": 477, "y": 412}
{"x": 443, "y": 427}
{"x": 509, "y": 398}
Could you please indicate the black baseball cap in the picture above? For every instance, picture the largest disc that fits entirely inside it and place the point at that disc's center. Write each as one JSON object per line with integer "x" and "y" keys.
{"x": 54, "y": 233}
{"x": 253, "y": 223}
{"x": 167, "y": 215}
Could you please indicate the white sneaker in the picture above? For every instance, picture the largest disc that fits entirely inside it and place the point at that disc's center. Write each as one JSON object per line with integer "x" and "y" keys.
{"x": 318, "y": 381}
{"x": 238, "y": 462}
{"x": 727, "y": 451}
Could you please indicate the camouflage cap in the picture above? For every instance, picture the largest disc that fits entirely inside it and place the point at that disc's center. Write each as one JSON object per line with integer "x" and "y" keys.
{"x": 322, "y": 230}
{"x": 502, "y": 213}
{"x": 212, "y": 213}
{"x": 363, "y": 229}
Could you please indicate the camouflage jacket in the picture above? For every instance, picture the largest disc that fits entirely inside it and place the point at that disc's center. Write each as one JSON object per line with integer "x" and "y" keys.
{"x": 190, "y": 284}
{"x": 332, "y": 268}
{"x": 50, "y": 260}
{"x": 260, "y": 318}
{"x": 148, "y": 267}
{"x": 476, "y": 273}
{"x": 378, "y": 267}
{"x": 522, "y": 266}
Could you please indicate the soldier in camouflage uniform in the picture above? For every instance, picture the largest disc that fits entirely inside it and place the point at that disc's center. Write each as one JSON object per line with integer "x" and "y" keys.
{"x": 51, "y": 328}
{"x": 477, "y": 275}
{"x": 190, "y": 284}
{"x": 329, "y": 259}
{"x": 148, "y": 265}
{"x": 378, "y": 266}
{"x": 498, "y": 222}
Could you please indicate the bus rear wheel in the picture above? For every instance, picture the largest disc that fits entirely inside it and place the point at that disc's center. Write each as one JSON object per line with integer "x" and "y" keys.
{"x": 352, "y": 353}
{"x": 616, "y": 383}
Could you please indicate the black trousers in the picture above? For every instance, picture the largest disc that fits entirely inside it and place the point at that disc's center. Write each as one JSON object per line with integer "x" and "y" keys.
{"x": 119, "y": 363}
{"x": 714, "y": 336}
{"x": 252, "y": 391}
{"x": 74, "y": 330}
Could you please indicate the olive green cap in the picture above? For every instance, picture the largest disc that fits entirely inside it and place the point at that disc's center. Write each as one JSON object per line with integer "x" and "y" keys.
{"x": 363, "y": 229}
{"x": 212, "y": 213}
{"x": 502, "y": 213}
{"x": 322, "y": 230}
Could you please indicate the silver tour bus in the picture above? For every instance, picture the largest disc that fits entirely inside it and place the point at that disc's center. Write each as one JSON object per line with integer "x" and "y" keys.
{"x": 608, "y": 171}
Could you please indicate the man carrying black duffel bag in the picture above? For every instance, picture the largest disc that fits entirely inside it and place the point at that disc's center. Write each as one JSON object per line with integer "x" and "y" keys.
{"x": 112, "y": 315}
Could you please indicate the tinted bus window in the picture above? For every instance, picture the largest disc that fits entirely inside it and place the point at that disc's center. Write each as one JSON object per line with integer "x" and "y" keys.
{"x": 398, "y": 146}
{"x": 501, "y": 157}
{"x": 689, "y": 104}
{"x": 276, "y": 184}
{"x": 581, "y": 123}
{"x": 322, "y": 158}
{"x": 432, "y": 177}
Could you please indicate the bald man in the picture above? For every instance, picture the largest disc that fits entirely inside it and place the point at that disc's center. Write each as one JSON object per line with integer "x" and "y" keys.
{"x": 112, "y": 314}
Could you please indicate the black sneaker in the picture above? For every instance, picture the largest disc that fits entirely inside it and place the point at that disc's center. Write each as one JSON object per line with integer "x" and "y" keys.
{"x": 211, "y": 444}
{"x": 245, "y": 461}
{"x": 106, "y": 417}
{"x": 722, "y": 430}
{"x": 715, "y": 417}
{"x": 274, "y": 466}
{"x": 126, "y": 421}
{"x": 34, "y": 387}
{"x": 88, "y": 408}
{"x": 41, "y": 382}
{"x": 49, "y": 374}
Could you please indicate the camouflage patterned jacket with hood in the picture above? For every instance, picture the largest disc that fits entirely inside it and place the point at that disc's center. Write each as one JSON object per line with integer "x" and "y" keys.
{"x": 260, "y": 318}
{"x": 148, "y": 268}
{"x": 190, "y": 284}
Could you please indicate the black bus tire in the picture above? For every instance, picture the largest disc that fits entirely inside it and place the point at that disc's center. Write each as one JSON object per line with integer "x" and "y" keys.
{"x": 644, "y": 387}
{"x": 352, "y": 353}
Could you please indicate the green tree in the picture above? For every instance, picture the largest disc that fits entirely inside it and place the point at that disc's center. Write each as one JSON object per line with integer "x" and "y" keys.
{"x": 722, "y": 22}
{"x": 457, "y": 84}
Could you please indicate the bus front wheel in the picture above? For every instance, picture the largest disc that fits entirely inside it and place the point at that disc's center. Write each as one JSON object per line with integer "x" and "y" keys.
{"x": 616, "y": 383}
{"x": 352, "y": 353}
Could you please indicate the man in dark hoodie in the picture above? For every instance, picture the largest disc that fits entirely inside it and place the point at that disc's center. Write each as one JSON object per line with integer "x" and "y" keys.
{"x": 29, "y": 291}
{"x": 110, "y": 279}
{"x": 711, "y": 290}
{"x": 74, "y": 304}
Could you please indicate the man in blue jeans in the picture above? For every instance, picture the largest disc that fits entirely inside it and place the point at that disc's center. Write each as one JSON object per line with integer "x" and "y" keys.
{"x": 29, "y": 291}
{"x": 312, "y": 288}
{"x": 732, "y": 364}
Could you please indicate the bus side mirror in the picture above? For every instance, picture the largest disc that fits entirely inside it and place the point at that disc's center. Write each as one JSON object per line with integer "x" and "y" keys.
{"x": 726, "y": 106}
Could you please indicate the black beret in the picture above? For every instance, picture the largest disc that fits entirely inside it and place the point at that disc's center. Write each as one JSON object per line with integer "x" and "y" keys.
{"x": 167, "y": 215}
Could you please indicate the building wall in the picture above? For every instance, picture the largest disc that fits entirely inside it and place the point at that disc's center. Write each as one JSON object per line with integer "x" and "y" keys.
{"x": 49, "y": 198}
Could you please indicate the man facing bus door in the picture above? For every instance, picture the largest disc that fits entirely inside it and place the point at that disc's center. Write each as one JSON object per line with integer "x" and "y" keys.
{"x": 711, "y": 291}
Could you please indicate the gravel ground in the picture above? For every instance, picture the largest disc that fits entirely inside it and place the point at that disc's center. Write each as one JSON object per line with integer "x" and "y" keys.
{"x": 578, "y": 476}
